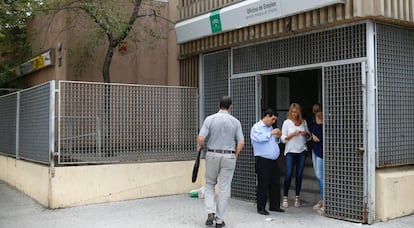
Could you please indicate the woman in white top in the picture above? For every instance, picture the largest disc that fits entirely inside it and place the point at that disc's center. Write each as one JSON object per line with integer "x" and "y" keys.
{"x": 295, "y": 133}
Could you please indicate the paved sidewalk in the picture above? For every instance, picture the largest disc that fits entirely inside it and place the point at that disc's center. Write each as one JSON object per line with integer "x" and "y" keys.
{"x": 19, "y": 211}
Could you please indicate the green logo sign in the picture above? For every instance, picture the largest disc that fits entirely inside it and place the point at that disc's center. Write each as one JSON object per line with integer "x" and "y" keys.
{"x": 215, "y": 21}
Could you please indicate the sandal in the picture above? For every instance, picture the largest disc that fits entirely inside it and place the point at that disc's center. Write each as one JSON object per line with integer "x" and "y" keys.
{"x": 318, "y": 205}
{"x": 297, "y": 201}
{"x": 285, "y": 202}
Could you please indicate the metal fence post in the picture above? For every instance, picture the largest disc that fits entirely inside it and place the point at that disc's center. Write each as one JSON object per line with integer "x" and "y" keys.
{"x": 52, "y": 119}
{"x": 17, "y": 123}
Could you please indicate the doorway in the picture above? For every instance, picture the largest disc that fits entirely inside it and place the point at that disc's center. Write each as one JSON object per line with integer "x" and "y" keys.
{"x": 278, "y": 91}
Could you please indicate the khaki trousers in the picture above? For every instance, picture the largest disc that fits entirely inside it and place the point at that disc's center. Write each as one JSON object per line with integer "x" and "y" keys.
{"x": 219, "y": 167}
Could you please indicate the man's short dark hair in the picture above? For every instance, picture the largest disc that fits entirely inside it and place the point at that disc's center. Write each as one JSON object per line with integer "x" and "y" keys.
{"x": 269, "y": 112}
{"x": 225, "y": 102}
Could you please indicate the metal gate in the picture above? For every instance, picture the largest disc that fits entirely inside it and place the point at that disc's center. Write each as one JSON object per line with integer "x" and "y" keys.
{"x": 243, "y": 93}
{"x": 215, "y": 81}
{"x": 344, "y": 142}
{"x": 346, "y": 172}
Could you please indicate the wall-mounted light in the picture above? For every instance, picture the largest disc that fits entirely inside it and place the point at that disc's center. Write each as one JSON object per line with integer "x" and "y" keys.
{"x": 59, "y": 46}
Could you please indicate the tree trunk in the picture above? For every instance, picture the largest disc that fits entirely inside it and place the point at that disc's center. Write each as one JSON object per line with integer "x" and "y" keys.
{"x": 107, "y": 149}
{"x": 107, "y": 62}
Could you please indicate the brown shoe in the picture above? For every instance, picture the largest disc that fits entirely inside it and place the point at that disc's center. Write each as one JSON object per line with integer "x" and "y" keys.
{"x": 210, "y": 219}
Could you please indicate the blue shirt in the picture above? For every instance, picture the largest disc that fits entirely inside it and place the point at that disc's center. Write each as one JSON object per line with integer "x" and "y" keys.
{"x": 264, "y": 144}
{"x": 317, "y": 147}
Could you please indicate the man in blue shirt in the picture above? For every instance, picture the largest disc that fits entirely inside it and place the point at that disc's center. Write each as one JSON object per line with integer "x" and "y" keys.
{"x": 265, "y": 142}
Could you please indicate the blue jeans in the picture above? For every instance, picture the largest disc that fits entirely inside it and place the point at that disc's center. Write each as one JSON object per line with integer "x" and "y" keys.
{"x": 291, "y": 160}
{"x": 318, "y": 168}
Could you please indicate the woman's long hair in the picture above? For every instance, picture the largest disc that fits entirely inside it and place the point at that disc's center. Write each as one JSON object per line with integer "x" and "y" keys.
{"x": 298, "y": 109}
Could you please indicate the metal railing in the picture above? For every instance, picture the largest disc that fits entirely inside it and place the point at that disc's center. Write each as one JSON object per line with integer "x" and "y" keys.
{"x": 27, "y": 123}
{"x": 99, "y": 123}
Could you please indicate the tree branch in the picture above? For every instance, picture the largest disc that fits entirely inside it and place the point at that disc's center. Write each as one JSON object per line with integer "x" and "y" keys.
{"x": 96, "y": 20}
{"x": 132, "y": 19}
{"x": 67, "y": 6}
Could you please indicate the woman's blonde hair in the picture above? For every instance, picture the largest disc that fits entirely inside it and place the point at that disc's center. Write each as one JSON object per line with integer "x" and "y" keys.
{"x": 298, "y": 109}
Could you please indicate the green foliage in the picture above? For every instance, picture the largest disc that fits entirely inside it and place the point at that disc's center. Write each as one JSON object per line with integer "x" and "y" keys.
{"x": 14, "y": 47}
{"x": 14, "y": 13}
{"x": 114, "y": 22}
{"x": 85, "y": 52}
{"x": 104, "y": 22}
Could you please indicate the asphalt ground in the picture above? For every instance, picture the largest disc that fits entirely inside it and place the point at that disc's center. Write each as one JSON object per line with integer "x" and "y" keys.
{"x": 17, "y": 210}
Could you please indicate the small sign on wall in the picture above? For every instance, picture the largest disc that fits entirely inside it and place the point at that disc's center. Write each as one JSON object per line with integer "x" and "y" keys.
{"x": 39, "y": 62}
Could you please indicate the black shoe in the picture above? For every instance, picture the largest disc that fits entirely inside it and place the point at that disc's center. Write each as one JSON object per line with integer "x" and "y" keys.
{"x": 277, "y": 209}
{"x": 220, "y": 224}
{"x": 262, "y": 212}
{"x": 210, "y": 219}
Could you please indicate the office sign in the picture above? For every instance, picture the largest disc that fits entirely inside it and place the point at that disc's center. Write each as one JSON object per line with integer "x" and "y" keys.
{"x": 41, "y": 61}
{"x": 243, "y": 14}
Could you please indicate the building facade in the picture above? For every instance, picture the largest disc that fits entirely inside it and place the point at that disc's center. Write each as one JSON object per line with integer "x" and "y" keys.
{"x": 354, "y": 56}
{"x": 65, "y": 39}
{"x": 134, "y": 132}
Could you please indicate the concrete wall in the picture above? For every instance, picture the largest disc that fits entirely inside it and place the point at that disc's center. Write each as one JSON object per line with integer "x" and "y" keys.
{"x": 69, "y": 186}
{"x": 394, "y": 192}
{"x": 30, "y": 178}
